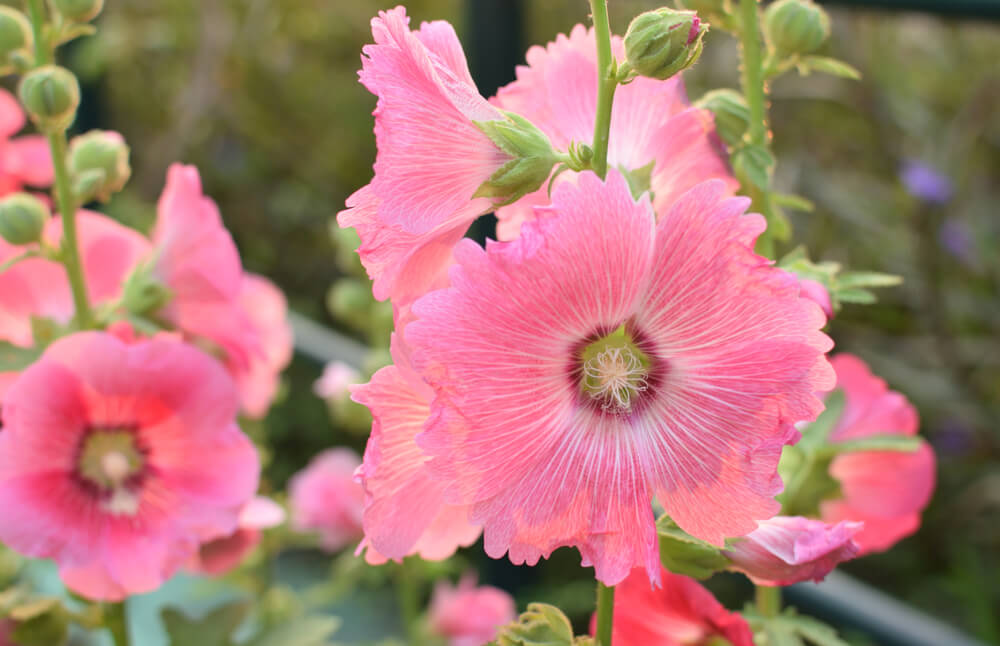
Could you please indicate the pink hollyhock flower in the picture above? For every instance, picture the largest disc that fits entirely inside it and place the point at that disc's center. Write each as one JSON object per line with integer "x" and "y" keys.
{"x": 115, "y": 459}
{"x": 431, "y": 157}
{"x": 267, "y": 310}
{"x": 219, "y": 555}
{"x": 335, "y": 381}
{"x": 24, "y": 160}
{"x": 467, "y": 615}
{"x": 652, "y": 123}
{"x": 817, "y": 292}
{"x": 325, "y": 498}
{"x": 887, "y": 490}
{"x": 681, "y": 613}
{"x": 789, "y": 549}
{"x": 7, "y": 627}
{"x": 603, "y": 358}
{"x": 405, "y": 512}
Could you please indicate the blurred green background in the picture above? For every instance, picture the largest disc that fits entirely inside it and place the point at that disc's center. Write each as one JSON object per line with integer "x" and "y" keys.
{"x": 262, "y": 96}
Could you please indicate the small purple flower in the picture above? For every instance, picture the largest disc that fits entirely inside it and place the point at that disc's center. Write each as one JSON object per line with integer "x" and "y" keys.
{"x": 925, "y": 183}
{"x": 956, "y": 238}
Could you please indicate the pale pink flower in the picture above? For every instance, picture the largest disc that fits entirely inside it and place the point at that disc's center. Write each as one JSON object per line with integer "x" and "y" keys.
{"x": 325, "y": 498}
{"x": 887, "y": 490}
{"x": 221, "y": 554}
{"x": 603, "y": 358}
{"x": 789, "y": 549}
{"x": 25, "y": 159}
{"x": 652, "y": 123}
{"x": 405, "y": 511}
{"x": 7, "y": 627}
{"x": 817, "y": 292}
{"x": 469, "y": 615}
{"x": 116, "y": 459}
{"x": 431, "y": 157}
{"x": 337, "y": 377}
{"x": 267, "y": 310}
{"x": 681, "y": 613}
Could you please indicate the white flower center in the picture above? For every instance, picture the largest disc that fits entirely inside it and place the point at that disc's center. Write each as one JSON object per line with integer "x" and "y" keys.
{"x": 614, "y": 377}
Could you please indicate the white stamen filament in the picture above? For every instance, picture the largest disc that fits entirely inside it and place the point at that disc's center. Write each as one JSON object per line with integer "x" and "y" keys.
{"x": 614, "y": 377}
{"x": 116, "y": 467}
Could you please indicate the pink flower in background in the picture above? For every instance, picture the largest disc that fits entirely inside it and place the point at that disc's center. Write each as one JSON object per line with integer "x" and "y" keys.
{"x": 325, "y": 498}
{"x": 681, "y": 613}
{"x": 405, "y": 512}
{"x": 603, "y": 358}
{"x": 115, "y": 459}
{"x": 467, "y": 615}
{"x": 221, "y": 554}
{"x": 887, "y": 490}
{"x": 818, "y": 293}
{"x": 335, "y": 381}
{"x": 23, "y": 160}
{"x": 652, "y": 123}
{"x": 431, "y": 157}
{"x": 789, "y": 549}
{"x": 267, "y": 310}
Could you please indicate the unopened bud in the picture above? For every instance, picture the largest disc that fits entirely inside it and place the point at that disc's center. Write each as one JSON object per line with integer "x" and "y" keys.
{"x": 661, "y": 43}
{"x": 796, "y": 26}
{"x": 51, "y": 95}
{"x": 732, "y": 114}
{"x": 713, "y": 11}
{"x": 533, "y": 158}
{"x": 99, "y": 163}
{"x": 143, "y": 294}
{"x": 22, "y": 218}
{"x": 15, "y": 37}
{"x": 79, "y": 10}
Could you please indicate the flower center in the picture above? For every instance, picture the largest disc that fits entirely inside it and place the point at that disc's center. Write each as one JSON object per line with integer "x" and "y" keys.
{"x": 111, "y": 461}
{"x": 614, "y": 371}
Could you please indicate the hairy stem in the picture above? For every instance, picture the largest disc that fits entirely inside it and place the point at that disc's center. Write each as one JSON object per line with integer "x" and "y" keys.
{"x": 606, "y": 85}
{"x": 605, "y": 613}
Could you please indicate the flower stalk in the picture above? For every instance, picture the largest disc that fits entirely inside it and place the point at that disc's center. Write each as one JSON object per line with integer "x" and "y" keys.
{"x": 605, "y": 613}
{"x": 768, "y": 600}
{"x": 607, "y": 82}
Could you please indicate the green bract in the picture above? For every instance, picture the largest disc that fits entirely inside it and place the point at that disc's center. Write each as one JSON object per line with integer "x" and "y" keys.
{"x": 533, "y": 158}
{"x": 661, "y": 43}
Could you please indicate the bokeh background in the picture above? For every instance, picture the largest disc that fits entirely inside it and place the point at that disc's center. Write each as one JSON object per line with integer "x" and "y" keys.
{"x": 904, "y": 168}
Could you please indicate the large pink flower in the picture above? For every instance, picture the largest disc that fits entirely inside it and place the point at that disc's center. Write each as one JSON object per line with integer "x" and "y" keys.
{"x": 405, "y": 512}
{"x": 24, "y": 160}
{"x": 325, "y": 498}
{"x": 467, "y": 615}
{"x": 266, "y": 308}
{"x": 431, "y": 157}
{"x": 682, "y": 613}
{"x": 789, "y": 549}
{"x": 887, "y": 490}
{"x": 651, "y": 123}
{"x": 603, "y": 358}
{"x": 115, "y": 460}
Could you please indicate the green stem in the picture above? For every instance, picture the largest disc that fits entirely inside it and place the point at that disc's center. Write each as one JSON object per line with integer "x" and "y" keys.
{"x": 752, "y": 73}
{"x": 116, "y": 621}
{"x": 70, "y": 247}
{"x": 31, "y": 253}
{"x": 605, "y": 613}
{"x": 36, "y": 13}
{"x": 606, "y": 85}
{"x": 768, "y": 600}
{"x": 408, "y": 597}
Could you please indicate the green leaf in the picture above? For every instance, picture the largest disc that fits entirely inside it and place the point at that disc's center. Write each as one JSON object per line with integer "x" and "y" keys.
{"x": 14, "y": 358}
{"x": 792, "y": 629}
{"x": 314, "y": 630}
{"x": 816, "y": 434}
{"x": 868, "y": 279}
{"x": 214, "y": 629}
{"x": 41, "y": 622}
{"x": 815, "y": 631}
{"x": 794, "y": 202}
{"x": 754, "y": 164}
{"x": 684, "y": 554}
{"x": 830, "y": 66}
{"x": 883, "y": 442}
{"x": 540, "y": 625}
{"x": 861, "y": 296}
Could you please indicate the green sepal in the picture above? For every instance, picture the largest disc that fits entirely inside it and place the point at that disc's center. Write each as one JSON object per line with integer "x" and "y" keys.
{"x": 214, "y": 629}
{"x": 533, "y": 158}
{"x": 540, "y": 625}
{"x": 754, "y": 165}
{"x": 684, "y": 554}
{"x": 40, "y": 622}
{"x": 792, "y": 629}
{"x": 15, "y": 359}
{"x": 828, "y": 65}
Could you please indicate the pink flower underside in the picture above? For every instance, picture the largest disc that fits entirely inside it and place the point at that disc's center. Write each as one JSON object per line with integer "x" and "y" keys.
{"x": 24, "y": 160}
{"x": 786, "y": 550}
{"x": 652, "y": 121}
{"x": 200, "y": 467}
{"x": 325, "y": 498}
{"x": 267, "y": 310}
{"x": 742, "y": 355}
{"x": 885, "y": 489}
{"x": 220, "y": 555}
{"x": 468, "y": 615}
{"x": 405, "y": 512}
{"x": 431, "y": 157}
{"x": 680, "y": 613}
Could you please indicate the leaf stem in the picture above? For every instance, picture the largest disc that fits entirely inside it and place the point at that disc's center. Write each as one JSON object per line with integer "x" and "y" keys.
{"x": 607, "y": 82}
{"x": 116, "y": 621}
{"x": 768, "y": 600}
{"x": 605, "y": 613}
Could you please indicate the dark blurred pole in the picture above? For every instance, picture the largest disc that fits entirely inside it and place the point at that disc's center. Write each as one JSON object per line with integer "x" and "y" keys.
{"x": 957, "y": 8}
{"x": 494, "y": 43}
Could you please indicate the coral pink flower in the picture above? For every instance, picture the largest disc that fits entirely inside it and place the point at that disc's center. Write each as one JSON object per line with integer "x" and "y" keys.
{"x": 789, "y": 549}
{"x": 335, "y": 381}
{"x": 219, "y": 555}
{"x": 325, "y": 498}
{"x": 886, "y": 490}
{"x": 24, "y": 160}
{"x": 603, "y": 358}
{"x": 681, "y": 613}
{"x": 815, "y": 291}
{"x": 115, "y": 459}
{"x": 431, "y": 157}
{"x": 267, "y": 310}
{"x": 405, "y": 511}
{"x": 652, "y": 123}
{"x": 467, "y": 615}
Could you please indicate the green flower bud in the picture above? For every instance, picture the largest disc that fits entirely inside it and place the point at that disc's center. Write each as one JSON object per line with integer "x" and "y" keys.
{"x": 796, "y": 26}
{"x": 79, "y": 10}
{"x": 15, "y": 38}
{"x": 142, "y": 293}
{"x": 732, "y": 115}
{"x": 99, "y": 163}
{"x": 51, "y": 95}
{"x": 713, "y": 11}
{"x": 533, "y": 158}
{"x": 661, "y": 43}
{"x": 22, "y": 218}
